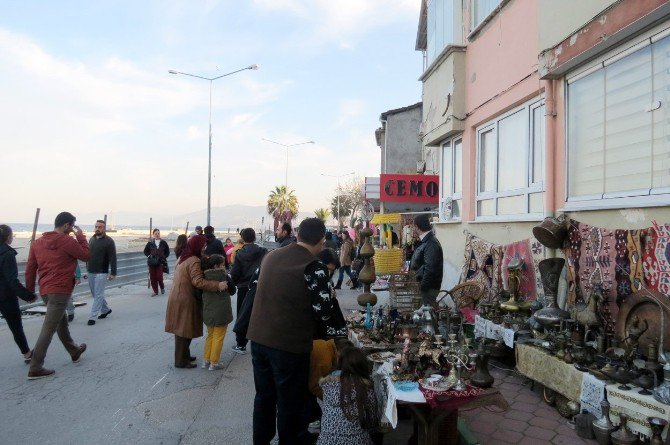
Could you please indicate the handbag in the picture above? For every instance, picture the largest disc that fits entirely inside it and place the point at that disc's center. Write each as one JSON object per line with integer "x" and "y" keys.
{"x": 153, "y": 261}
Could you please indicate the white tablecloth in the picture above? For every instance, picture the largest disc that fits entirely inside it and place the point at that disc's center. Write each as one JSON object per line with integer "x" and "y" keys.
{"x": 487, "y": 329}
{"x": 388, "y": 395}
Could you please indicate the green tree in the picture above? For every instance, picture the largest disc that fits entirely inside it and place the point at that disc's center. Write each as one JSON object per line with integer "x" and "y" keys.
{"x": 322, "y": 214}
{"x": 282, "y": 204}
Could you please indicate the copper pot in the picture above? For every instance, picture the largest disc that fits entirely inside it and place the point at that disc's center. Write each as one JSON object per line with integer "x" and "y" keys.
{"x": 551, "y": 232}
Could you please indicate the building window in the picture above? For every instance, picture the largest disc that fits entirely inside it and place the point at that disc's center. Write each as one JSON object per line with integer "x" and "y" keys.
{"x": 510, "y": 170}
{"x": 451, "y": 178}
{"x": 481, "y": 9}
{"x": 441, "y": 30}
{"x": 619, "y": 126}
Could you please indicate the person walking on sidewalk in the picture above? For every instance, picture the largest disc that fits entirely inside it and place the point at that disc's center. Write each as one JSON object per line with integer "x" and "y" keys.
{"x": 293, "y": 293}
{"x": 247, "y": 260}
{"x": 103, "y": 257}
{"x": 217, "y": 310}
{"x": 346, "y": 258}
{"x": 54, "y": 256}
{"x": 11, "y": 290}
{"x": 156, "y": 251}
{"x": 183, "y": 315}
{"x": 427, "y": 260}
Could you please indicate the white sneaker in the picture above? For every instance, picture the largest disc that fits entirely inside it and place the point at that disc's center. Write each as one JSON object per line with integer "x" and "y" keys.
{"x": 215, "y": 367}
{"x": 316, "y": 425}
{"x": 205, "y": 365}
{"x": 240, "y": 350}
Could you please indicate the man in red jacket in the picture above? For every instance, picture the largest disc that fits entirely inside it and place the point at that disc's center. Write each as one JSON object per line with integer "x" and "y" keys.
{"x": 54, "y": 255}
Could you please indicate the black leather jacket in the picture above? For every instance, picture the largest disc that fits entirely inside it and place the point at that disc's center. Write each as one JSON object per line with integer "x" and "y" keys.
{"x": 10, "y": 286}
{"x": 427, "y": 262}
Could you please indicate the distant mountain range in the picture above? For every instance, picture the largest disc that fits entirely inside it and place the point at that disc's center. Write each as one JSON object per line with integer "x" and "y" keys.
{"x": 230, "y": 216}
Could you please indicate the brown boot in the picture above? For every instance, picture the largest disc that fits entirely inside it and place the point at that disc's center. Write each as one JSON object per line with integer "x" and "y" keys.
{"x": 76, "y": 357}
{"x": 34, "y": 375}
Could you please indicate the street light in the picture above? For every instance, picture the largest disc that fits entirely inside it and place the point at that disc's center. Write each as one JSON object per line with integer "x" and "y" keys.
{"x": 287, "y": 146}
{"x": 338, "y": 191}
{"x": 209, "y": 164}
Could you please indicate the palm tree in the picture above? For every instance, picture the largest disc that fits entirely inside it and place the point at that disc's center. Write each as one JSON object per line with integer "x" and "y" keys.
{"x": 322, "y": 214}
{"x": 282, "y": 205}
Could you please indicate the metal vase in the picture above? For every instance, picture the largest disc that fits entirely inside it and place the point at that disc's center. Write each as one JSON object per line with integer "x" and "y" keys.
{"x": 603, "y": 427}
{"x": 550, "y": 271}
{"x": 623, "y": 436}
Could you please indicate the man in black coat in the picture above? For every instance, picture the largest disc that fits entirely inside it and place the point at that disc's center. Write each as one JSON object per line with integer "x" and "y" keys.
{"x": 427, "y": 260}
{"x": 214, "y": 246}
{"x": 247, "y": 260}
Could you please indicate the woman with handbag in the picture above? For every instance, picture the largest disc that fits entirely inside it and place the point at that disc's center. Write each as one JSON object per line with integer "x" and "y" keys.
{"x": 183, "y": 316}
{"x": 11, "y": 290}
{"x": 156, "y": 251}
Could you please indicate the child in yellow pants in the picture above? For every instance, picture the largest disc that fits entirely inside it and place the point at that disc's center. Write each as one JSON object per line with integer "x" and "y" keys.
{"x": 217, "y": 311}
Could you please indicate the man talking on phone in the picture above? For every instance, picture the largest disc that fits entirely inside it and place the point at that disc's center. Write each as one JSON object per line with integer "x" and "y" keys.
{"x": 54, "y": 255}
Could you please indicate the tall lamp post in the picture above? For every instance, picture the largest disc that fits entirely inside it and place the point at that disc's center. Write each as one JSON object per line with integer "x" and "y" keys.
{"x": 338, "y": 192}
{"x": 287, "y": 146}
{"x": 209, "y": 163}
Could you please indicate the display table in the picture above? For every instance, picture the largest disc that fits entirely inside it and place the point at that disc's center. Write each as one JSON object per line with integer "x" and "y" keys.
{"x": 436, "y": 425}
{"x": 637, "y": 406}
{"x": 565, "y": 379}
{"x": 551, "y": 372}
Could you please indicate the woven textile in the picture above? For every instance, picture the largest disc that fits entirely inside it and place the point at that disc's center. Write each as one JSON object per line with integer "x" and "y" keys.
{"x": 450, "y": 399}
{"x": 531, "y": 252}
{"x": 656, "y": 258}
{"x": 609, "y": 259}
{"x": 482, "y": 264}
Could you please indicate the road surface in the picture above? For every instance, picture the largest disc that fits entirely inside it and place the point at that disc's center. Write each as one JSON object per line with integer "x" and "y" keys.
{"x": 126, "y": 389}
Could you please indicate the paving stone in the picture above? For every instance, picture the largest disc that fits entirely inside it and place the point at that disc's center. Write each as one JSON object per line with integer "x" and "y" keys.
{"x": 513, "y": 425}
{"x": 523, "y": 407}
{"x": 564, "y": 430}
{"x": 511, "y": 386}
{"x": 482, "y": 426}
{"x": 539, "y": 433}
{"x": 525, "y": 397}
{"x": 508, "y": 436}
{"x": 549, "y": 424}
{"x": 519, "y": 415}
{"x": 562, "y": 439}
{"x": 530, "y": 441}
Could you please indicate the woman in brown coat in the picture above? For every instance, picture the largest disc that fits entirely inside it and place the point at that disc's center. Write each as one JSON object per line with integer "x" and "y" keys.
{"x": 183, "y": 316}
{"x": 346, "y": 258}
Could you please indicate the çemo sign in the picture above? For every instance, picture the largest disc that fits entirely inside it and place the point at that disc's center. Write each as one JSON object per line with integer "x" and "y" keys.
{"x": 409, "y": 188}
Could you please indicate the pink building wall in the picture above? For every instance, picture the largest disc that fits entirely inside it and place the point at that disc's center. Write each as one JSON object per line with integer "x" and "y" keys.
{"x": 501, "y": 73}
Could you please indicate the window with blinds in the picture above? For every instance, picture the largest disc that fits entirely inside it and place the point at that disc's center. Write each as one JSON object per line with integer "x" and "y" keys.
{"x": 618, "y": 125}
{"x": 510, "y": 165}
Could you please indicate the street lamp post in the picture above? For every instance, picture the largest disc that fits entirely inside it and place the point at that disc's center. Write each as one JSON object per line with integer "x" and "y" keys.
{"x": 338, "y": 191}
{"x": 209, "y": 161}
{"x": 287, "y": 146}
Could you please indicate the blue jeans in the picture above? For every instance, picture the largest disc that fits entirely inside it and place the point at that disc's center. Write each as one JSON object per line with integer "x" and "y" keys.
{"x": 96, "y": 281}
{"x": 281, "y": 380}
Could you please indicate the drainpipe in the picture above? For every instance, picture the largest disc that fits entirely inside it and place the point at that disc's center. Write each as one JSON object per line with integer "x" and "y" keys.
{"x": 386, "y": 132}
{"x": 550, "y": 148}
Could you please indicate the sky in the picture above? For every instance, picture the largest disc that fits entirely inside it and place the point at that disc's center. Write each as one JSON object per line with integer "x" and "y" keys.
{"x": 91, "y": 120}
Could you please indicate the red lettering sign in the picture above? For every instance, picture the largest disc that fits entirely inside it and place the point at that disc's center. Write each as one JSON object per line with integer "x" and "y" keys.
{"x": 409, "y": 188}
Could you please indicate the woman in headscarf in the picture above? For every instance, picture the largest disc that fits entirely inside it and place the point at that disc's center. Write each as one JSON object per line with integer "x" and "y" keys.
{"x": 11, "y": 290}
{"x": 183, "y": 316}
